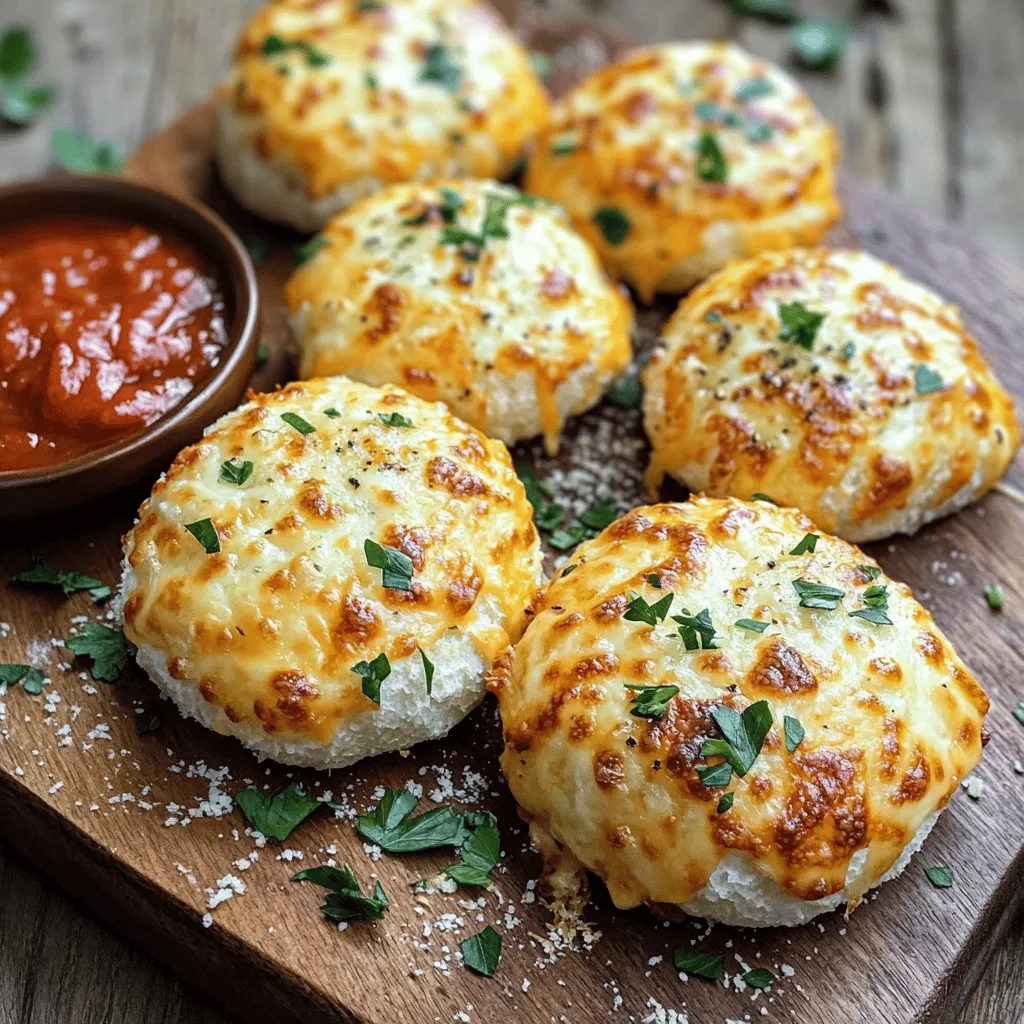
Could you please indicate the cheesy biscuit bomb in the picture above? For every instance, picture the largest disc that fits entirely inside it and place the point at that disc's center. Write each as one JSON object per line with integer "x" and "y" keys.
{"x": 681, "y": 157}
{"x": 468, "y": 292}
{"x": 718, "y": 709}
{"x": 330, "y": 100}
{"x": 330, "y": 572}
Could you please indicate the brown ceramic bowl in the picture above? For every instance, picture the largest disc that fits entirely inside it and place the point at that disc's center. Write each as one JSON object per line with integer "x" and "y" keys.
{"x": 35, "y": 492}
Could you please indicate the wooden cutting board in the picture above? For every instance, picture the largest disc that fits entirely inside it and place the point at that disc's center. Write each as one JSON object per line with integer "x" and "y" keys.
{"x": 137, "y": 829}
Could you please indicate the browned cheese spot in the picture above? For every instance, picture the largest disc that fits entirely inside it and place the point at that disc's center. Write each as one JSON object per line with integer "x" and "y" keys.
{"x": 781, "y": 669}
{"x": 609, "y": 770}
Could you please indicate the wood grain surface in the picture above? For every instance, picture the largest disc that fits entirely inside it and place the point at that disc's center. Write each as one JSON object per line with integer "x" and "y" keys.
{"x": 55, "y": 964}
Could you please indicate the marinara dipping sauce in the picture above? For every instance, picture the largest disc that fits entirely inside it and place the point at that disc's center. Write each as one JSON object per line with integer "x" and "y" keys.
{"x": 104, "y": 327}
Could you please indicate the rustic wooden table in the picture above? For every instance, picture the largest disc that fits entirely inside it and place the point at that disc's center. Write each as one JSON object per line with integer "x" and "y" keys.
{"x": 928, "y": 100}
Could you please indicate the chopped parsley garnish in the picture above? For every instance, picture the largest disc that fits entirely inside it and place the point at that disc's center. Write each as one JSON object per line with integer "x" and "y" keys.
{"x": 496, "y": 207}
{"x": 451, "y": 203}
{"x": 758, "y": 496}
{"x": 276, "y": 815}
{"x": 759, "y": 977}
{"x": 725, "y": 804}
{"x": 563, "y": 145}
{"x": 818, "y": 595}
{"x": 771, "y": 10}
{"x": 848, "y": 350}
{"x": 46, "y": 573}
{"x": 262, "y": 356}
{"x": 697, "y": 631}
{"x": 390, "y": 826}
{"x": 711, "y": 162}
{"x": 107, "y": 648}
{"x": 275, "y": 46}
{"x": 588, "y": 524}
{"x": 926, "y": 380}
{"x": 305, "y": 251}
{"x": 799, "y": 324}
{"x": 206, "y": 533}
{"x": 19, "y": 101}
{"x": 257, "y": 247}
{"x": 548, "y": 515}
{"x": 83, "y": 154}
{"x": 394, "y": 419}
{"x": 940, "y": 877}
{"x": 655, "y": 580}
{"x": 758, "y": 131}
{"x": 345, "y": 900}
{"x": 753, "y": 89}
{"x": 440, "y": 68}
{"x": 872, "y": 571}
{"x": 371, "y": 80}
{"x": 876, "y": 606}
{"x": 706, "y": 110}
{"x": 373, "y": 673}
{"x": 396, "y": 566}
{"x": 794, "y": 732}
{"x": 806, "y": 545}
{"x": 481, "y": 952}
{"x": 744, "y": 737}
{"x": 332, "y": 412}
{"x": 31, "y": 678}
{"x": 479, "y": 853}
{"x": 651, "y": 701}
{"x": 640, "y": 611}
{"x": 754, "y": 625}
{"x": 613, "y": 224}
{"x": 627, "y": 392}
{"x": 716, "y": 775}
{"x": 295, "y": 420}
{"x": 818, "y": 42}
{"x": 146, "y": 722}
{"x": 568, "y": 569}
{"x": 1018, "y": 713}
{"x": 704, "y": 965}
{"x": 541, "y": 63}
{"x": 428, "y": 670}
{"x": 995, "y": 597}
{"x": 234, "y": 472}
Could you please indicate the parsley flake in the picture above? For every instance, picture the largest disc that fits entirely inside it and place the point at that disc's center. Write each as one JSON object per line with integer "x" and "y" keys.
{"x": 19, "y": 101}
{"x": 940, "y": 877}
{"x": 394, "y": 419}
{"x": 704, "y": 965}
{"x": 926, "y": 380}
{"x": 758, "y": 496}
{"x": 995, "y": 597}
{"x": 1018, "y": 713}
{"x": 640, "y": 611}
{"x": 818, "y": 42}
{"x": 568, "y": 569}
{"x": 206, "y": 533}
{"x": 715, "y": 775}
{"x": 305, "y": 251}
{"x": 547, "y": 515}
{"x": 332, "y": 412}
{"x": 479, "y": 854}
{"x": 563, "y": 145}
{"x": 759, "y": 977}
{"x": 44, "y": 572}
{"x": 794, "y": 732}
{"x": 541, "y": 63}
{"x": 234, "y": 472}
{"x": 481, "y": 952}
{"x": 711, "y": 162}
{"x": 770, "y": 10}
{"x": 651, "y": 701}
{"x": 725, "y": 804}
{"x": 744, "y": 734}
{"x": 587, "y": 526}
{"x": 697, "y": 631}
{"x": 613, "y": 224}
{"x": 806, "y": 545}
{"x": 753, "y": 89}
{"x": 275, "y": 46}
{"x": 396, "y": 566}
{"x": 373, "y": 673}
{"x": 345, "y": 900}
{"x": 276, "y": 815}
{"x": 818, "y": 595}
{"x": 82, "y": 154}
{"x": 293, "y": 419}
{"x": 754, "y": 625}
{"x": 876, "y": 606}
{"x": 107, "y": 648}
{"x": 31, "y": 678}
{"x": 262, "y": 356}
{"x": 390, "y": 826}
{"x": 799, "y": 324}
{"x": 257, "y": 247}
{"x": 627, "y": 392}
{"x": 439, "y": 67}
{"x": 428, "y": 670}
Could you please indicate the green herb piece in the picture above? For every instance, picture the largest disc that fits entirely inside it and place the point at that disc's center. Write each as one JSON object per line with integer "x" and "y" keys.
{"x": 806, "y": 545}
{"x": 640, "y": 611}
{"x": 713, "y": 317}
{"x": 428, "y": 670}
{"x": 332, "y": 412}
{"x": 293, "y": 419}
{"x": 275, "y": 46}
{"x": 99, "y": 594}
{"x": 496, "y": 208}
{"x": 479, "y": 854}
{"x": 107, "y": 648}
{"x": 31, "y": 678}
{"x": 563, "y": 540}
{"x": 1018, "y": 713}
{"x": 548, "y": 515}
{"x": 146, "y": 722}
{"x": 872, "y": 571}
{"x": 345, "y": 900}
{"x": 715, "y": 775}
{"x": 704, "y": 965}
{"x": 20, "y": 103}
{"x": 770, "y": 10}
{"x": 876, "y": 605}
{"x": 568, "y": 569}
{"x": 697, "y": 631}
{"x": 394, "y": 419}
{"x": 612, "y": 223}
{"x": 799, "y": 324}
{"x": 848, "y": 350}
{"x": 373, "y": 673}
{"x": 995, "y": 597}
{"x": 758, "y": 131}
{"x": 711, "y": 162}
{"x": 305, "y": 251}
{"x": 541, "y": 63}
{"x": 369, "y": 5}
{"x": 563, "y": 145}
{"x": 754, "y": 625}
{"x": 818, "y": 43}
{"x": 758, "y": 496}
{"x": 753, "y": 89}
{"x": 941, "y": 878}
{"x": 257, "y": 247}
{"x": 627, "y": 392}
{"x": 654, "y": 580}
{"x": 17, "y": 53}
{"x": 390, "y": 826}
{"x": 48, "y": 574}
{"x": 440, "y": 68}
{"x": 744, "y": 735}
{"x": 725, "y": 804}
{"x": 395, "y": 565}
{"x": 759, "y": 977}
{"x": 481, "y": 952}
{"x": 601, "y": 515}
{"x": 926, "y": 380}
{"x": 262, "y": 356}
{"x": 370, "y": 79}
{"x": 84, "y": 155}
{"x": 794, "y": 732}
{"x": 451, "y": 203}
{"x": 651, "y": 701}
{"x": 707, "y": 111}
{"x": 234, "y": 472}
{"x": 206, "y": 533}
{"x": 818, "y": 595}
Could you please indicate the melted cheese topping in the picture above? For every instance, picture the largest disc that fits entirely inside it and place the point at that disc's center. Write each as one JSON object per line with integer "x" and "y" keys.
{"x": 840, "y": 431}
{"x": 271, "y": 625}
{"x": 627, "y": 138}
{"x": 480, "y": 328}
{"x": 892, "y": 718}
{"x": 393, "y": 91}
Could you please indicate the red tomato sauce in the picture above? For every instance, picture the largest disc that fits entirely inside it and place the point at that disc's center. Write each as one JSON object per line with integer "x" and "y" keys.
{"x": 104, "y": 327}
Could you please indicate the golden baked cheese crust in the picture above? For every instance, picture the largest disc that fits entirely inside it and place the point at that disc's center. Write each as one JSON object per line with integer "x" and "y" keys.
{"x": 889, "y": 419}
{"x": 271, "y": 625}
{"x": 892, "y": 719}
{"x": 628, "y": 154}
